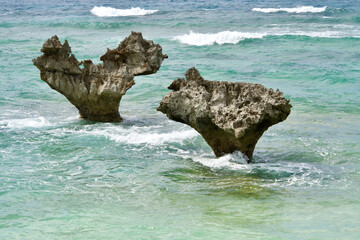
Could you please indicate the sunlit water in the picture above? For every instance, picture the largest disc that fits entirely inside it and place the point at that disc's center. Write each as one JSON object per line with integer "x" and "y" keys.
{"x": 150, "y": 178}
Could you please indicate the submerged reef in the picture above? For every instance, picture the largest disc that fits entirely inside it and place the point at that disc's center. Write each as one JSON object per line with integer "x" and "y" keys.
{"x": 96, "y": 90}
{"x": 231, "y": 116}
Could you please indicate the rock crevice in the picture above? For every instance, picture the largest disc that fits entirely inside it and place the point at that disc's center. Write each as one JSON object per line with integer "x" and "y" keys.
{"x": 96, "y": 90}
{"x": 230, "y": 116}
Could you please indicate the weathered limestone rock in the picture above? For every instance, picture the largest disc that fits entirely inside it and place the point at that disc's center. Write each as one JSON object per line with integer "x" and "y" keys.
{"x": 96, "y": 90}
{"x": 230, "y": 116}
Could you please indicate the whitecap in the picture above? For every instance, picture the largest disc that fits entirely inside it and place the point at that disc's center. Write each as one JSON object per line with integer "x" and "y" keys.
{"x": 228, "y": 37}
{"x": 25, "y": 123}
{"x": 302, "y": 9}
{"x": 201, "y": 39}
{"x": 114, "y": 12}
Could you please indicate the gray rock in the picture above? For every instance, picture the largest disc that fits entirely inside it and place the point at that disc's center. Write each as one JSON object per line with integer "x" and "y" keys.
{"x": 230, "y": 116}
{"x": 96, "y": 90}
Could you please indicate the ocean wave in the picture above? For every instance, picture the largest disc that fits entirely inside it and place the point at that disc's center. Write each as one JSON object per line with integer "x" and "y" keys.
{"x": 114, "y": 12}
{"x": 302, "y": 9}
{"x": 24, "y": 123}
{"x": 202, "y": 39}
{"x": 228, "y": 37}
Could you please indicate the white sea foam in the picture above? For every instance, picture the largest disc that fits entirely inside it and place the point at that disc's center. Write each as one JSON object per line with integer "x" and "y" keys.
{"x": 25, "y": 123}
{"x": 273, "y": 173}
{"x": 143, "y": 135}
{"x": 234, "y": 161}
{"x": 228, "y": 37}
{"x": 114, "y": 12}
{"x": 201, "y": 39}
{"x": 302, "y": 9}
{"x": 152, "y": 138}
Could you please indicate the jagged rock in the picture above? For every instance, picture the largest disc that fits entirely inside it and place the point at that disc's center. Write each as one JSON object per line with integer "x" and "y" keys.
{"x": 96, "y": 90}
{"x": 230, "y": 116}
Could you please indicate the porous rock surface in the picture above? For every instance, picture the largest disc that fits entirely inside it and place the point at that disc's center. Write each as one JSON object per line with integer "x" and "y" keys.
{"x": 231, "y": 116}
{"x": 96, "y": 90}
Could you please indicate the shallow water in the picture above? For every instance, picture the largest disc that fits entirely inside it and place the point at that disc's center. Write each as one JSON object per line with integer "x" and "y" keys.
{"x": 150, "y": 178}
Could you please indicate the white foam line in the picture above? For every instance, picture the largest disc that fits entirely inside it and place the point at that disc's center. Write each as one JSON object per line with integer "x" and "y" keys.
{"x": 114, "y": 12}
{"x": 25, "y": 123}
{"x": 201, "y": 39}
{"x": 152, "y": 138}
{"x": 228, "y": 37}
{"x": 150, "y": 135}
{"x": 302, "y": 9}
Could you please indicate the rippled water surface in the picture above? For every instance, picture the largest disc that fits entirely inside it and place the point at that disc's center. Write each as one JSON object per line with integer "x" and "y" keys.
{"x": 150, "y": 178}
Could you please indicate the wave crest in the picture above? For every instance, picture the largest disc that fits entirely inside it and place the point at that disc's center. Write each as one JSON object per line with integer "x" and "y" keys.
{"x": 302, "y": 9}
{"x": 201, "y": 39}
{"x": 227, "y": 37}
{"x": 114, "y": 12}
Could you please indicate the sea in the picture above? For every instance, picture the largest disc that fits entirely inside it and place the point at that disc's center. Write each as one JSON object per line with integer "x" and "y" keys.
{"x": 62, "y": 177}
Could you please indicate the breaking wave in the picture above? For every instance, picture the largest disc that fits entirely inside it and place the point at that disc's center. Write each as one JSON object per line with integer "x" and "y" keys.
{"x": 114, "y": 12}
{"x": 302, "y": 9}
{"x": 228, "y": 37}
{"x": 201, "y": 39}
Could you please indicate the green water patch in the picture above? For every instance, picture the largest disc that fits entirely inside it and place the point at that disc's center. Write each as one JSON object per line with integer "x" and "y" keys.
{"x": 302, "y": 37}
{"x": 356, "y": 19}
{"x": 205, "y": 181}
{"x": 13, "y": 41}
{"x": 7, "y": 25}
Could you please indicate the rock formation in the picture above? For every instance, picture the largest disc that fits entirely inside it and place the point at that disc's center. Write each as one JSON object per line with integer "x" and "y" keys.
{"x": 96, "y": 90}
{"x": 230, "y": 116}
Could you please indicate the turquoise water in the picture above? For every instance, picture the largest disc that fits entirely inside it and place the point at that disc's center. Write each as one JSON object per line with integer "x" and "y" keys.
{"x": 150, "y": 178}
